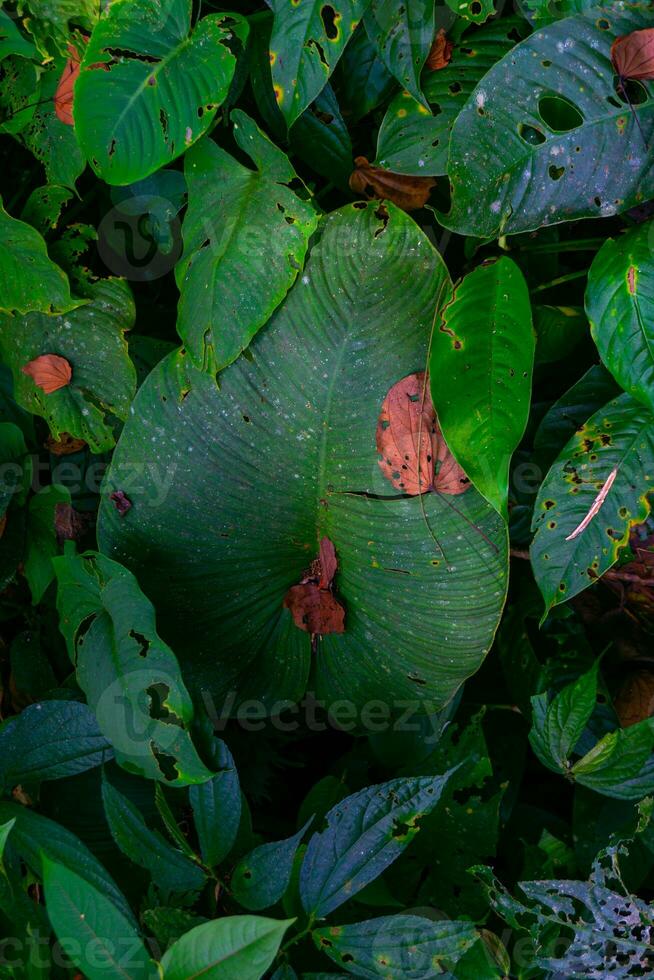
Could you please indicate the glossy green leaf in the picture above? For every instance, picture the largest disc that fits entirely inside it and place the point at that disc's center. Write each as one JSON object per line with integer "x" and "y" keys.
{"x": 50, "y": 21}
{"x": 362, "y": 81}
{"x": 242, "y": 259}
{"x": 559, "y": 332}
{"x": 44, "y": 206}
{"x": 476, "y": 11}
{"x": 52, "y": 142}
{"x": 42, "y": 544}
{"x": 480, "y": 371}
{"x": 171, "y": 870}
{"x": 270, "y": 477}
{"x": 15, "y": 466}
{"x": 12, "y": 40}
{"x": 620, "y": 307}
{"x": 558, "y": 726}
{"x": 308, "y": 38}
{"x": 621, "y": 764}
{"x": 98, "y": 939}
{"x": 398, "y": 946}
{"x": 237, "y": 947}
{"x": 216, "y": 806}
{"x": 364, "y": 835}
{"x": 320, "y": 137}
{"x": 92, "y": 340}
{"x": 131, "y": 678}
{"x": 403, "y": 35}
{"x": 29, "y": 280}
{"x": 542, "y": 12}
{"x": 150, "y": 85}
{"x": 261, "y": 877}
{"x": 544, "y": 138}
{"x": 618, "y": 439}
{"x": 20, "y": 92}
{"x": 50, "y": 740}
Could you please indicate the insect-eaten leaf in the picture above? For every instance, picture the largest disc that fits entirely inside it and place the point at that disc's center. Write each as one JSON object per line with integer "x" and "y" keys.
{"x": 440, "y": 54}
{"x": 632, "y": 55}
{"x": 63, "y": 97}
{"x": 413, "y": 453}
{"x": 313, "y": 606}
{"x": 409, "y": 193}
{"x": 50, "y": 372}
{"x": 65, "y": 445}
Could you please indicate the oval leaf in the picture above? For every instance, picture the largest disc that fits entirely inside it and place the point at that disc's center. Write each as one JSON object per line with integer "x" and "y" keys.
{"x": 261, "y": 877}
{"x": 240, "y": 946}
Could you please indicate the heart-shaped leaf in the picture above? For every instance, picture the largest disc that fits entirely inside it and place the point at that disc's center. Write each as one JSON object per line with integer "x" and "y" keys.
{"x": 276, "y": 459}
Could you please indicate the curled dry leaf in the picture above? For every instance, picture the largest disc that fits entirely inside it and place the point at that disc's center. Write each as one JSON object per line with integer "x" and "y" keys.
{"x": 413, "y": 454}
{"x": 3, "y": 524}
{"x": 633, "y": 55}
{"x": 49, "y": 372}
{"x": 63, "y": 97}
{"x": 69, "y": 525}
{"x": 634, "y": 701}
{"x": 64, "y": 446}
{"x": 440, "y": 54}
{"x": 311, "y": 603}
{"x": 121, "y": 502}
{"x": 373, "y": 182}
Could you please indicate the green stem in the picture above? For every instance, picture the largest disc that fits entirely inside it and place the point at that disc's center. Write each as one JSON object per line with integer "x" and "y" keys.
{"x": 299, "y": 936}
{"x": 560, "y": 280}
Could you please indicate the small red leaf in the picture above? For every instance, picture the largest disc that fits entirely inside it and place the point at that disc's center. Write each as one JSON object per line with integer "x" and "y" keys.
{"x": 63, "y": 98}
{"x": 328, "y": 563}
{"x": 121, "y": 501}
{"x": 49, "y": 372}
{"x": 441, "y": 52}
{"x": 315, "y": 610}
{"x": 413, "y": 453}
{"x": 633, "y": 54}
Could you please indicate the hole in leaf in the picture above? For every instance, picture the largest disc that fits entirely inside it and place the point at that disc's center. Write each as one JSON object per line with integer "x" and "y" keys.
{"x": 555, "y": 173}
{"x": 559, "y": 113}
{"x": 628, "y": 90}
{"x": 329, "y": 21}
{"x": 530, "y": 135}
{"x": 475, "y": 8}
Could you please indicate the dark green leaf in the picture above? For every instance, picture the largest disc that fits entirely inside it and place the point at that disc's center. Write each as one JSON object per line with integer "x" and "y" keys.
{"x": 261, "y": 878}
{"x": 217, "y": 806}
{"x": 558, "y": 726}
{"x": 403, "y": 35}
{"x": 238, "y": 946}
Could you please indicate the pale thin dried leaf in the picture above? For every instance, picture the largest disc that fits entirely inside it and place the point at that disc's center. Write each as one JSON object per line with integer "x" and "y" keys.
{"x": 373, "y": 182}
{"x": 49, "y": 372}
{"x": 597, "y": 503}
{"x": 328, "y": 563}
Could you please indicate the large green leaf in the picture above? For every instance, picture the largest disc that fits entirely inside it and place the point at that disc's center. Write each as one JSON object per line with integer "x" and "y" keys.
{"x": 480, "y": 371}
{"x": 92, "y": 340}
{"x": 403, "y": 34}
{"x": 97, "y": 937}
{"x": 12, "y": 40}
{"x": 399, "y": 946}
{"x": 130, "y": 677}
{"x": 413, "y": 140}
{"x": 364, "y": 834}
{"x": 620, "y": 307}
{"x": 149, "y": 86}
{"x": 243, "y": 260}
{"x": 50, "y": 740}
{"x": 29, "y": 280}
{"x": 619, "y": 439}
{"x": 544, "y": 138}
{"x": 236, "y": 947}
{"x": 276, "y": 458}
{"x": 308, "y": 38}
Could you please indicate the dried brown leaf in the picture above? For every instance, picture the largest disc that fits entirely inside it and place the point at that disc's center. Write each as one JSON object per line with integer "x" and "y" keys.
{"x": 69, "y": 525}
{"x": 49, "y": 372}
{"x": 373, "y": 182}
{"x": 440, "y": 54}
{"x": 328, "y": 563}
{"x": 3, "y": 524}
{"x": 64, "y": 446}
{"x": 634, "y": 701}
{"x": 315, "y": 610}
{"x": 633, "y": 54}
{"x": 413, "y": 454}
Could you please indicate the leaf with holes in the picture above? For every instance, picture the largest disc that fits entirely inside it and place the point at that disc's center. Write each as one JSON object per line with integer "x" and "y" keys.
{"x": 91, "y": 339}
{"x": 240, "y": 946}
{"x": 307, "y": 40}
{"x": 476, "y": 11}
{"x": 401, "y": 946}
{"x": 149, "y": 86}
{"x": 245, "y": 239}
{"x": 29, "y": 280}
{"x": 93, "y": 932}
{"x": 261, "y": 878}
{"x": 413, "y": 139}
{"x": 620, "y": 438}
{"x": 481, "y": 364}
{"x": 620, "y": 307}
{"x": 276, "y": 459}
{"x": 545, "y": 137}
{"x": 365, "y": 833}
{"x": 131, "y": 679}
{"x": 403, "y": 35}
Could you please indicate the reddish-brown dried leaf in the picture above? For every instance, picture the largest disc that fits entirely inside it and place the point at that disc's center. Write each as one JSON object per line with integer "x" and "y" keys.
{"x": 3, "y": 524}
{"x": 407, "y": 192}
{"x": 413, "y": 454}
{"x": 49, "y": 372}
{"x": 65, "y": 446}
{"x": 315, "y": 610}
{"x": 635, "y": 699}
{"x": 633, "y": 54}
{"x": 63, "y": 97}
{"x": 69, "y": 525}
{"x": 121, "y": 501}
{"x": 328, "y": 563}
{"x": 440, "y": 54}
